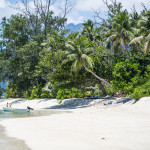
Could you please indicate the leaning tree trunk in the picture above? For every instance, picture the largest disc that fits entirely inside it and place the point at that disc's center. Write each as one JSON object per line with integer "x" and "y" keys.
{"x": 101, "y": 79}
{"x": 102, "y": 88}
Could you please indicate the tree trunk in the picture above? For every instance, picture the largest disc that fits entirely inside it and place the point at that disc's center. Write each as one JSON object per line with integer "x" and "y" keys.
{"x": 101, "y": 79}
{"x": 102, "y": 88}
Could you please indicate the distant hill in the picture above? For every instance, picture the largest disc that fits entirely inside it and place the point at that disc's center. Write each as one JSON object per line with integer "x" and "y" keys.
{"x": 73, "y": 28}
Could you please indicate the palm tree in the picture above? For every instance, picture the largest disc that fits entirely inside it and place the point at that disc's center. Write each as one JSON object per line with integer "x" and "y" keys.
{"x": 77, "y": 53}
{"x": 143, "y": 31}
{"x": 121, "y": 32}
{"x": 92, "y": 33}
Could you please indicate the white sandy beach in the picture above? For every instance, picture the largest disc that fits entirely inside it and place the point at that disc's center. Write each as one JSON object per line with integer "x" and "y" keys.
{"x": 117, "y": 127}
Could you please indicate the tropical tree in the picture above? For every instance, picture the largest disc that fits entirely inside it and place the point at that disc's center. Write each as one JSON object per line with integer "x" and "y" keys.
{"x": 90, "y": 31}
{"x": 120, "y": 33}
{"x": 142, "y": 31}
{"x": 78, "y": 51}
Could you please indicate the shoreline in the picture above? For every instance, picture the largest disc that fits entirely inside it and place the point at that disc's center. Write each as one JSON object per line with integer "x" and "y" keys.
{"x": 125, "y": 126}
{"x": 11, "y": 142}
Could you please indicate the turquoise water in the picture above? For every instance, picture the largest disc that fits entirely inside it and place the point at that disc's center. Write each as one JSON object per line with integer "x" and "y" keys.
{"x": 10, "y": 143}
{"x": 32, "y": 113}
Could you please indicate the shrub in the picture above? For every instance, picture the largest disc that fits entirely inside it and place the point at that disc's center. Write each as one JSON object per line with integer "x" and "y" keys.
{"x": 45, "y": 94}
{"x": 68, "y": 93}
{"x": 109, "y": 91}
{"x": 10, "y": 91}
{"x": 141, "y": 91}
{"x": 127, "y": 76}
{"x": 36, "y": 92}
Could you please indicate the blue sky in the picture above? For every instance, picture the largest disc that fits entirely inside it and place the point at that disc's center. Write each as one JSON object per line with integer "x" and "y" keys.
{"x": 83, "y": 9}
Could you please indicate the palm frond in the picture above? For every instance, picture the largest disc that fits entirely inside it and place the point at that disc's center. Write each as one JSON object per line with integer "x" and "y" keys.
{"x": 70, "y": 57}
{"x": 116, "y": 42}
{"x": 65, "y": 62}
{"x": 136, "y": 40}
{"x": 130, "y": 34}
{"x": 147, "y": 47}
{"x": 142, "y": 21}
{"x": 76, "y": 66}
{"x": 70, "y": 46}
{"x": 66, "y": 52}
{"x": 111, "y": 38}
{"x": 87, "y": 61}
{"x": 88, "y": 50}
{"x": 142, "y": 30}
{"x": 147, "y": 37}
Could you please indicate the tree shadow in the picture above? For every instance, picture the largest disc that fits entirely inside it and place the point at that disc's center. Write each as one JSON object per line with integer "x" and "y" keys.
{"x": 45, "y": 100}
{"x": 72, "y": 104}
{"x": 18, "y": 101}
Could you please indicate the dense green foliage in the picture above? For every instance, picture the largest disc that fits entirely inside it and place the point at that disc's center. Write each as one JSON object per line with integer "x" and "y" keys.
{"x": 127, "y": 76}
{"x": 69, "y": 93}
{"x": 141, "y": 91}
{"x": 39, "y": 61}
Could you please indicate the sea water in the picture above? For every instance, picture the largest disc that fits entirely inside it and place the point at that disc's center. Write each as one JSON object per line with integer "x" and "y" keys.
{"x": 10, "y": 143}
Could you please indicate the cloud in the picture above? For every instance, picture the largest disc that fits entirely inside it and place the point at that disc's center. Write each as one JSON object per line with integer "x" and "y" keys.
{"x": 75, "y": 20}
{"x": 89, "y": 5}
{"x": 6, "y": 10}
{"x": 137, "y": 3}
{"x": 83, "y": 10}
{"x": 2, "y": 4}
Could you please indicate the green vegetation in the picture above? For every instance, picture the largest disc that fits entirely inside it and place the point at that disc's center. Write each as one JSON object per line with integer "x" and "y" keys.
{"x": 39, "y": 61}
{"x": 68, "y": 93}
{"x": 141, "y": 91}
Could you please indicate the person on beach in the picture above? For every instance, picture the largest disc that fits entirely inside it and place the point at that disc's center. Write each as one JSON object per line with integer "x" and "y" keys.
{"x": 7, "y": 105}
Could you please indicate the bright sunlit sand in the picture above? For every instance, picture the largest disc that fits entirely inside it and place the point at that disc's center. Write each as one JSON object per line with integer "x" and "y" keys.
{"x": 89, "y": 126}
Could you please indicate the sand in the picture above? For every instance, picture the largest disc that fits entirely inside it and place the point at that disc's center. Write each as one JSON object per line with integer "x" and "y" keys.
{"x": 90, "y": 126}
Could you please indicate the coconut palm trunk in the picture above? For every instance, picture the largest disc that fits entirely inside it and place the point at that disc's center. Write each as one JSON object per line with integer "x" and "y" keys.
{"x": 100, "y": 79}
{"x": 102, "y": 87}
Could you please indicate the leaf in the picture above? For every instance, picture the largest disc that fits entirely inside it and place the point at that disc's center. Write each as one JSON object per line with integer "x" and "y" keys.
{"x": 110, "y": 38}
{"x": 69, "y": 46}
{"x": 147, "y": 47}
{"x": 87, "y": 61}
{"x": 76, "y": 66}
{"x": 136, "y": 40}
{"x": 88, "y": 50}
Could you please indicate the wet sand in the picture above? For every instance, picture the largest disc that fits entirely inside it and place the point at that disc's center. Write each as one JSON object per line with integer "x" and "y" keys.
{"x": 10, "y": 143}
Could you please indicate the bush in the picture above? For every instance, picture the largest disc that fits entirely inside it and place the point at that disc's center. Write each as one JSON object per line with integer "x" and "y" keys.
{"x": 45, "y": 94}
{"x": 141, "y": 91}
{"x": 68, "y": 93}
{"x": 36, "y": 92}
{"x": 127, "y": 76}
{"x": 10, "y": 91}
{"x": 109, "y": 91}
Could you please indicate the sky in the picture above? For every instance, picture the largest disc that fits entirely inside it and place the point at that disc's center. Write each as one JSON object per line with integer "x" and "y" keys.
{"x": 82, "y": 10}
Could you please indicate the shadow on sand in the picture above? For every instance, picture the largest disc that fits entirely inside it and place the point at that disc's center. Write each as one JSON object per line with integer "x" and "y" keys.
{"x": 72, "y": 104}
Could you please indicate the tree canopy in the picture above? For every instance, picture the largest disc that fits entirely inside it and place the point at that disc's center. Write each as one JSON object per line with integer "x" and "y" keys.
{"x": 38, "y": 60}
